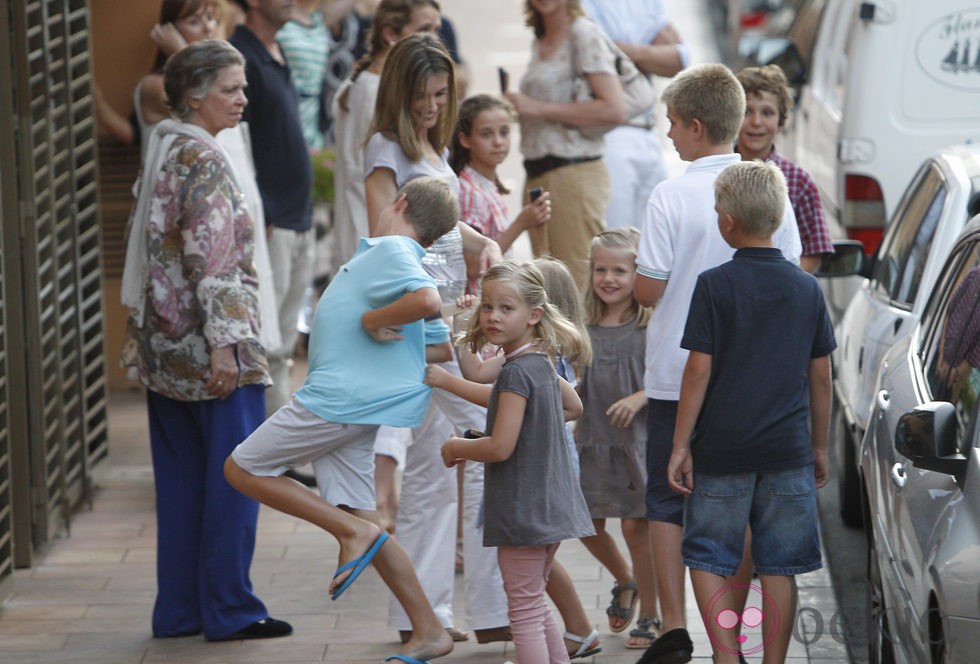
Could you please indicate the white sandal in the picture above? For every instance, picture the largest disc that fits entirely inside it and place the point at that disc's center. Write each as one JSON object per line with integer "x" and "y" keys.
{"x": 588, "y": 647}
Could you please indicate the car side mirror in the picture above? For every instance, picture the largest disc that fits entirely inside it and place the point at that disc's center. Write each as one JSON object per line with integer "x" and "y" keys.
{"x": 783, "y": 52}
{"x": 847, "y": 260}
{"x": 926, "y": 435}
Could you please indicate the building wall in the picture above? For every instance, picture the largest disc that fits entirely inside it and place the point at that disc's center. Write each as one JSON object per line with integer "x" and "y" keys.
{"x": 122, "y": 53}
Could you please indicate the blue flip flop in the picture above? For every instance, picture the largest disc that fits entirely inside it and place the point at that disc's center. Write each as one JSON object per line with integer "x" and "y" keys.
{"x": 358, "y": 564}
{"x": 405, "y": 658}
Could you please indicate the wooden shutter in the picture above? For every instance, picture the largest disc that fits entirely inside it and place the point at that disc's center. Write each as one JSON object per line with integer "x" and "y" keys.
{"x": 60, "y": 401}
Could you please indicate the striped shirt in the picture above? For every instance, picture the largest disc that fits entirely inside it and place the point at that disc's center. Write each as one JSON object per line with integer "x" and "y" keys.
{"x": 306, "y": 49}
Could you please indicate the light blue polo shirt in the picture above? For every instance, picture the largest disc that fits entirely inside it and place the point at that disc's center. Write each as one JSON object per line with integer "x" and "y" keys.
{"x": 352, "y": 378}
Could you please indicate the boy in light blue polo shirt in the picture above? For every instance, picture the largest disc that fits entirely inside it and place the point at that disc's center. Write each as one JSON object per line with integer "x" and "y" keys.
{"x": 368, "y": 350}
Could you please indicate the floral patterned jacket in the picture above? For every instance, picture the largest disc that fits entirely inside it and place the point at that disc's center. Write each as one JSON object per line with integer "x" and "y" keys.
{"x": 202, "y": 290}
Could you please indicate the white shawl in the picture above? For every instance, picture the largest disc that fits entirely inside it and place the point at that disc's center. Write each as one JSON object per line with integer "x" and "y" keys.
{"x": 136, "y": 270}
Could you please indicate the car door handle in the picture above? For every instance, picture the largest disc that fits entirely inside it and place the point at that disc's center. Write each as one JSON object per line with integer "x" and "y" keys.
{"x": 882, "y": 400}
{"x": 898, "y": 475}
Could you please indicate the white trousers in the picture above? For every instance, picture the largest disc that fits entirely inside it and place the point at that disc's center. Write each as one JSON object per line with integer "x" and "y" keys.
{"x": 291, "y": 256}
{"x": 426, "y": 523}
{"x": 635, "y": 163}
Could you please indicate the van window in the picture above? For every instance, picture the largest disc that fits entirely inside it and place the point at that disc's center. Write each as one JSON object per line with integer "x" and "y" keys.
{"x": 906, "y": 247}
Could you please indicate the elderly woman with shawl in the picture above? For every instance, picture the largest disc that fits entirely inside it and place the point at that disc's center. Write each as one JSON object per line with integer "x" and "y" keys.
{"x": 193, "y": 337}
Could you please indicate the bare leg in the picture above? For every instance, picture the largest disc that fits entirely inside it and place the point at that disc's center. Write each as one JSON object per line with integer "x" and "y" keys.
{"x": 665, "y": 543}
{"x": 714, "y": 592}
{"x": 355, "y": 535}
{"x": 743, "y": 578}
{"x": 636, "y": 534}
{"x": 603, "y": 548}
{"x": 385, "y": 468}
{"x": 782, "y": 591}
{"x": 561, "y": 590}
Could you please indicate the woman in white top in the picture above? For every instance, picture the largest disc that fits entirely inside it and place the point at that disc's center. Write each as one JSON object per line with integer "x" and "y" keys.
{"x": 353, "y": 108}
{"x": 415, "y": 114}
{"x": 557, "y": 157}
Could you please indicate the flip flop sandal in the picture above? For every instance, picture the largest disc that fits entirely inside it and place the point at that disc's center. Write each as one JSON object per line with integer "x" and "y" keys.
{"x": 404, "y": 658}
{"x": 357, "y": 565}
{"x": 646, "y": 628}
{"x": 588, "y": 647}
{"x": 617, "y": 610}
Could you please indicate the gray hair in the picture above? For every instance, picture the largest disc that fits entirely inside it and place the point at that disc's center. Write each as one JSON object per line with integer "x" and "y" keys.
{"x": 191, "y": 72}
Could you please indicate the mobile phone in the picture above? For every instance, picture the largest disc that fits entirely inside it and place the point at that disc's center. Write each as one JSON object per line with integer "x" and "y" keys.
{"x": 504, "y": 79}
{"x": 535, "y": 193}
{"x": 473, "y": 433}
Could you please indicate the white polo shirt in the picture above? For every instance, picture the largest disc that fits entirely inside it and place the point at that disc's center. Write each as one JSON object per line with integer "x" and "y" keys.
{"x": 679, "y": 240}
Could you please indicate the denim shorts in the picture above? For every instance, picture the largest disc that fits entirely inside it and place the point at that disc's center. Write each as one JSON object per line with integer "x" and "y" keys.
{"x": 663, "y": 503}
{"x": 779, "y": 506}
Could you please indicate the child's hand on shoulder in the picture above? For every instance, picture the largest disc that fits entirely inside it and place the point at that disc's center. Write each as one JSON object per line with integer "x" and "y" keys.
{"x": 448, "y": 457}
{"x": 622, "y": 412}
{"x": 466, "y": 300}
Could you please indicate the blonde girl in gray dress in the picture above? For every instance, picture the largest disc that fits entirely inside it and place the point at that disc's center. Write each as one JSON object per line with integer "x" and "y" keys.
{"x": 611, "y": 434}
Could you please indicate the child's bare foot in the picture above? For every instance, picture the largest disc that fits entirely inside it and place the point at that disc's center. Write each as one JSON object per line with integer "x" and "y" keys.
{"x": 424, "y": 646}
{"x": 362, "y": 543}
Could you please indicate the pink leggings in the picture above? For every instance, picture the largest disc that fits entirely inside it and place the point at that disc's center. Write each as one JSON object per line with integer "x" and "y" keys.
{"x": 525, "y": 570}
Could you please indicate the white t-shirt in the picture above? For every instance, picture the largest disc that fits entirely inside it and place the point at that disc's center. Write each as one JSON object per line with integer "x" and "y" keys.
{"x": 679, "y": 240}
{"x": 444, "y": 258}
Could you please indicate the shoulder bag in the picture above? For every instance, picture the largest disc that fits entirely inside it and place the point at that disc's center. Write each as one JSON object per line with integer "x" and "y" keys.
{"x": 638, "y": 93}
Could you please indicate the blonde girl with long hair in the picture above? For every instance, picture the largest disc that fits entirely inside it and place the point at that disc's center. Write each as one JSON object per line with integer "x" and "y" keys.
{"x": 353, "y": 108}
{"x": 526, "y": 519}
{"x": 611, "y": 435}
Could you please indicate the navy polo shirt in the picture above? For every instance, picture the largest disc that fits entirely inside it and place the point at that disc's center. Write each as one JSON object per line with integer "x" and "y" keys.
{"x": 282, "y": 162}
{"x": 762, "y": 319}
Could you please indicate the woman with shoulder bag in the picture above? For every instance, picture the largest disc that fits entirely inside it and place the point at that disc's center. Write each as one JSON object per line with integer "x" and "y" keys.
{"x": 558, "y": 157}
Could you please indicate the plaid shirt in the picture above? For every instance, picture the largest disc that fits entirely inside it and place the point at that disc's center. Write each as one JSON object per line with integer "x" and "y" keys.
{"x": 481, "y": 205}
{"x": 805, "y": 199}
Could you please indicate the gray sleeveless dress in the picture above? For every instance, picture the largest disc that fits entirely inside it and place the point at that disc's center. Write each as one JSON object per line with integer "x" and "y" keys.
{"x": 613, "y": 460}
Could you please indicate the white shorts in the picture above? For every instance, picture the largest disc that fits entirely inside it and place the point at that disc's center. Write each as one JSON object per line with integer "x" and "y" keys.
{"x": 342, "y": 454}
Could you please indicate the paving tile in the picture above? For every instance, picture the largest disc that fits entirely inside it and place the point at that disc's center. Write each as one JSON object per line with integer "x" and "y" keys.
{"x": 89, "y": 598}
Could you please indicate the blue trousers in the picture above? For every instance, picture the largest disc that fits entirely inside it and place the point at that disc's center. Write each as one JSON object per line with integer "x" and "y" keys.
{"x": 205, "y": 528}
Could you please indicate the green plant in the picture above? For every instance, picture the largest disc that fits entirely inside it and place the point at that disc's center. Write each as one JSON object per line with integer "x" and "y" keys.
{"x": 323, "y": 165}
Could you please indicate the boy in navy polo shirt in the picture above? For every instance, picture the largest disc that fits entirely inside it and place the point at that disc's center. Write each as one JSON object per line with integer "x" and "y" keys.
{"x": 750, "y": 443}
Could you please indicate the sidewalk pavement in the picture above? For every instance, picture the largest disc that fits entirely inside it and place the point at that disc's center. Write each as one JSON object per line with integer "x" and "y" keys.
{"x": 89, "y": 597}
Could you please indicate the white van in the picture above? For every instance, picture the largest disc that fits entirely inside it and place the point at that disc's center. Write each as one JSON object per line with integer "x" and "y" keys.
{"x": 888, "y": 83}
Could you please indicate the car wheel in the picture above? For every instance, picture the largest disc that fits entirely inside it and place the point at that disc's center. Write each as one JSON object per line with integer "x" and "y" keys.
{"x": 937, "y": 634}
{"x": 848, "y": 480}
{"x": 879, "y": 634}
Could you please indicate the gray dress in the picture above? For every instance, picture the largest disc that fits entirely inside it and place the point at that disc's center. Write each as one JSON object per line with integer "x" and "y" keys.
{"x": 612, "y": 460}
{"x": 533, "y": 498}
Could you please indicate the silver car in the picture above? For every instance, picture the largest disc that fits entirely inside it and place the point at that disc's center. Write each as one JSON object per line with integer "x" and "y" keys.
{"x": 920, "y": 466}
{"x": 937, "y": 203}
